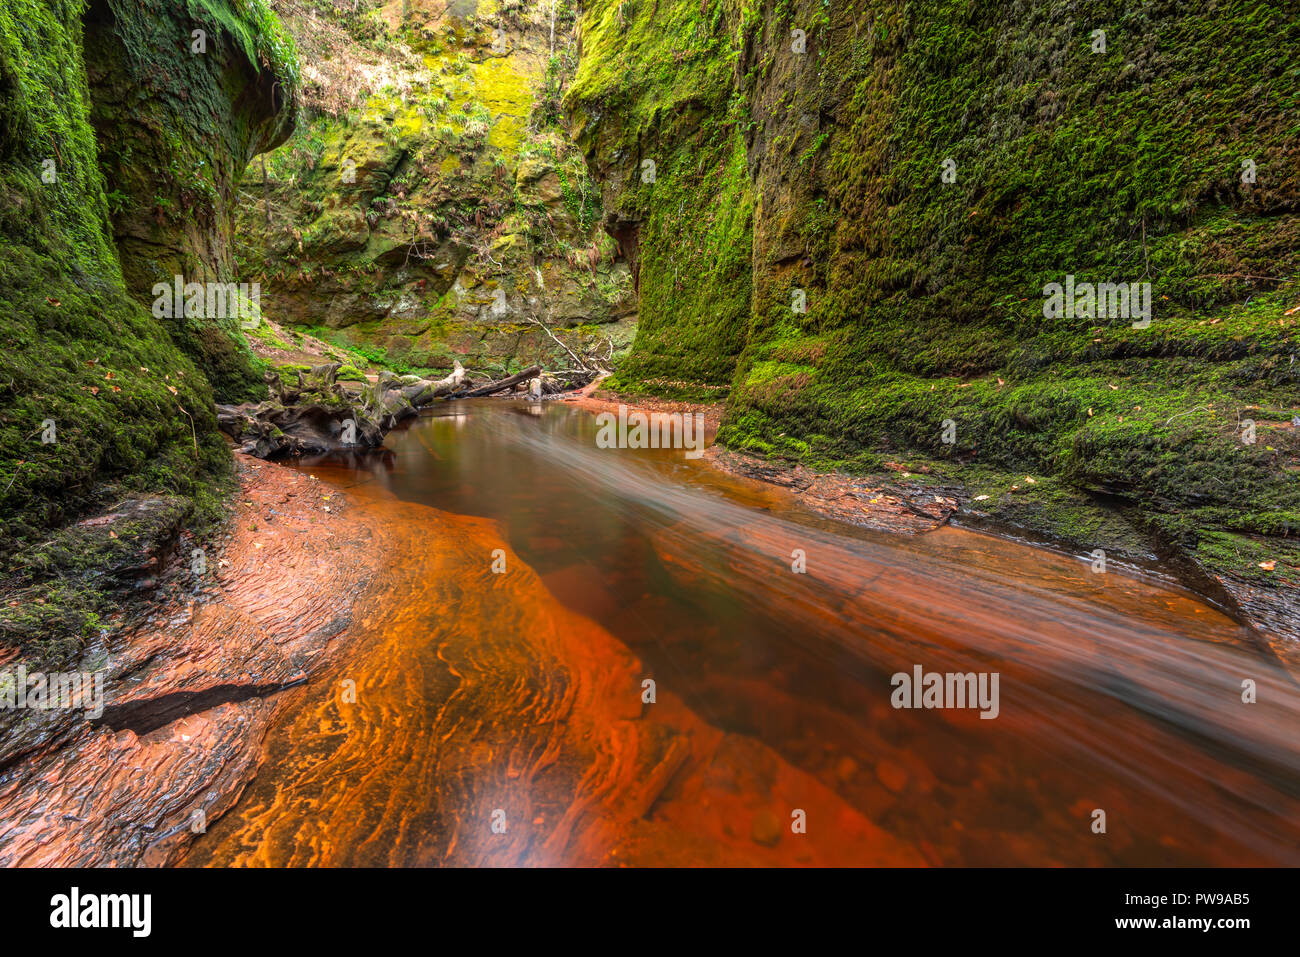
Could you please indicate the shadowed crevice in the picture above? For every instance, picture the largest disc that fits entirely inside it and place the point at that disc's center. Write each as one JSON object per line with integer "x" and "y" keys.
{"x": 150, "y": 714}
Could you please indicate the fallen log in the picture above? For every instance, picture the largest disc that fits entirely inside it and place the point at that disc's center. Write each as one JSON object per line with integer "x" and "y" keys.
{"x": 444, "y": 386}
{"x": 494, "y": 387}
{"x": 423, "y": 391}
{"x": 315, "y": 417}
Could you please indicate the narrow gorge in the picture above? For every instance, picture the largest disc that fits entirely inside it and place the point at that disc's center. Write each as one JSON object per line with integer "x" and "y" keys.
{"x": 557, "y": 433}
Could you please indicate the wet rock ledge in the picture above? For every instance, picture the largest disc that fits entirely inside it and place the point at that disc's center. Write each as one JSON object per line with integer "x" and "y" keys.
{"x": 188, "y": 694}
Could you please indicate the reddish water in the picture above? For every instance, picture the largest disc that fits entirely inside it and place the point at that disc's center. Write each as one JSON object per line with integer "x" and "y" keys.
{"x": 520, "y": 694}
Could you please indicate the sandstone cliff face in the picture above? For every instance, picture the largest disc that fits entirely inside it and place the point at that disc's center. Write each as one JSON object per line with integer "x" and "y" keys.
{"x": 431, "y": 207}
{"x": 654, "y": 110}
{"x": 898, "y": 183}
{"x": 181, "y": 102}
{"x": 102, "y": 403}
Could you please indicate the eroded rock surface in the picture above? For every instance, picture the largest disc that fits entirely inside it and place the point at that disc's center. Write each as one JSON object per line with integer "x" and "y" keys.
{"x": 189, "y": 694}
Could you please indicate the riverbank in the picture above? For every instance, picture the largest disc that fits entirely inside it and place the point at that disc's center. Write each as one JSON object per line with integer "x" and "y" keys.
{"x": 895, "y": 509}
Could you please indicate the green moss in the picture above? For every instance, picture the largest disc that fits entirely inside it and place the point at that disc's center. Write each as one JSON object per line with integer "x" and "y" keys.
{"x": 506, "y": 95}
{"x": 176, "y": 123}
{"x": 695, "y": 270}
{"x": 653, "y": 96}
{"x": 464, "y": 184}
{"x": 99, "y": 404}
{"x": 925, "y": 297}
{"x": 257, "y": 31}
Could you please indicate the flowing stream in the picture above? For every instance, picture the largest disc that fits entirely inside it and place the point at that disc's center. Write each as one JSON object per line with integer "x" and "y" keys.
{"x": 487, "y": 716}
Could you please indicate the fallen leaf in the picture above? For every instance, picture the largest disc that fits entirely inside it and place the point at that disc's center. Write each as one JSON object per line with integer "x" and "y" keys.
{"x": 1268, "y": 566}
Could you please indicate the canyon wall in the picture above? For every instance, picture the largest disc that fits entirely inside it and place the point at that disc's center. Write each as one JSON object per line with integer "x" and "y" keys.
{"x": 183, "y": 96}
{"x": 856, "y": 210}
{"x": 431, "y": 207}
{"x": 104, "y": 407}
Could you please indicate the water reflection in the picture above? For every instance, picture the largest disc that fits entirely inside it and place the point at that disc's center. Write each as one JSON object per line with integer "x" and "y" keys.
{"x": 1116, "y": 694}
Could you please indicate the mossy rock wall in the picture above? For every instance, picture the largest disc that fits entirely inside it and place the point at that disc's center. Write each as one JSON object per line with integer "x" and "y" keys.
{"x": 653, "y": 108}
{"x": 924, "y": 292}
{"x": 99, "y": 401}
{"x": 183, "y": 96}
{"x": 443, "y": 212}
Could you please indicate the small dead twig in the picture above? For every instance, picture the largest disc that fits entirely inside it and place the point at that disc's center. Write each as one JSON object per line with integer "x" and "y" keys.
{"x": 15, "y": 477}
{"x": 193, "y": 434}
{"x": 1199, "y": 408}
{"x": 572, "y": 355}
